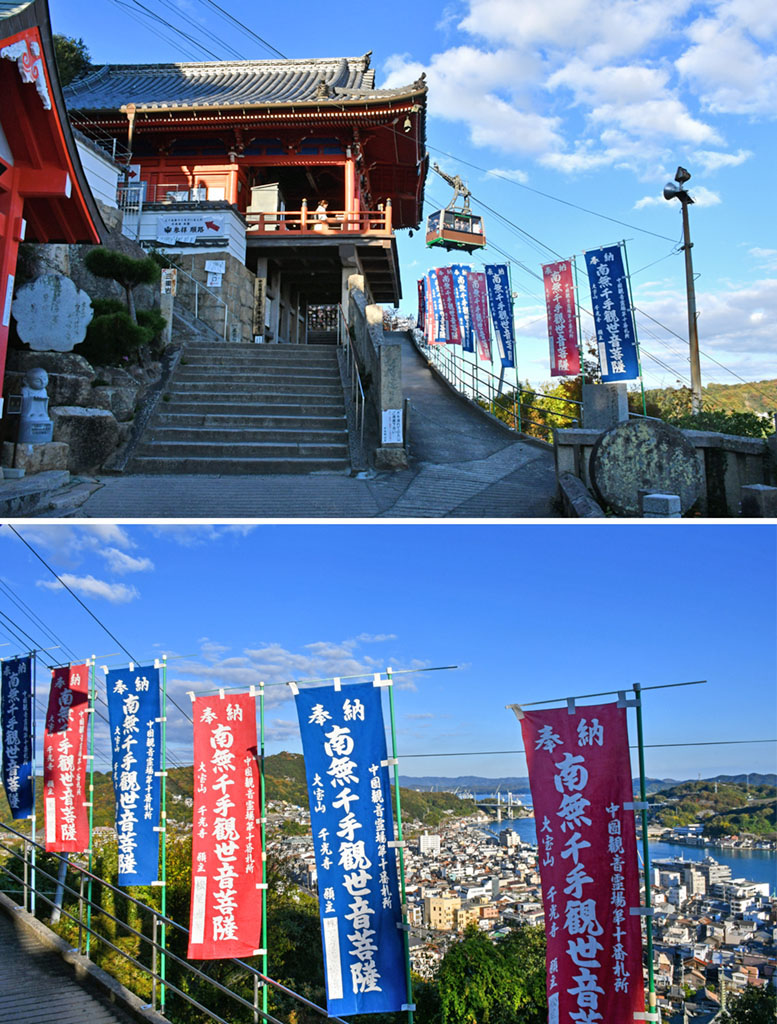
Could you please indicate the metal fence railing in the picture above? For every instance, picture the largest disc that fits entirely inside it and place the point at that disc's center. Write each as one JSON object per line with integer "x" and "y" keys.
{"x": 140, "y": 943}
{"x": 352, "y": 370}
{"x": 525, "y": 411}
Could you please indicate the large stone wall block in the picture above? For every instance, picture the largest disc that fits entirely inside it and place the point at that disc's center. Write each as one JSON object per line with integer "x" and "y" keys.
{"x": 37, "y": 458}
{"x": 92, "y": 434}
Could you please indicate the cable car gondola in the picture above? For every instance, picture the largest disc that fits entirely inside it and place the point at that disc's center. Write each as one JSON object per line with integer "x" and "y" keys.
{"x": 456, "y": 228}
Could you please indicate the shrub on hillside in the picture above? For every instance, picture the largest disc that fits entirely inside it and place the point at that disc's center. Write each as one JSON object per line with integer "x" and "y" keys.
{"x": 743, "y": 424}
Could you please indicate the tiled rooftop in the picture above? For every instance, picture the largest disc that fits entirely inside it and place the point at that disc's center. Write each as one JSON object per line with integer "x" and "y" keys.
{"x": 225, "y": 84}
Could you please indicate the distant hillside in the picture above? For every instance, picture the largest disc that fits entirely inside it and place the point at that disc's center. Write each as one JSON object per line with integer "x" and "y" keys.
{"x": 723, "y": 807}
{"x": 284, "y": 780}
{"x": 758, "y": 397}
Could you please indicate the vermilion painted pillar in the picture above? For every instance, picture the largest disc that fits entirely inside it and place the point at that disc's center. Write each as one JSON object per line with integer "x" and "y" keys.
{"x": 232, "y": 185}
{"x": 11, "y": 233}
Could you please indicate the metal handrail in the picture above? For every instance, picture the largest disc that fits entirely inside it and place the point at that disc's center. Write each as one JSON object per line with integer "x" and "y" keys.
{"x": 197, "y": 286}
{"x": 481, "y": 384}
{"x": 352, "y": 369}
{"x": 84, "y": 925}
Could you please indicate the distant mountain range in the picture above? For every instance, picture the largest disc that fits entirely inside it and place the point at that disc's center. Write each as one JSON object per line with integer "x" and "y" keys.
{"x": 520, "y": 783}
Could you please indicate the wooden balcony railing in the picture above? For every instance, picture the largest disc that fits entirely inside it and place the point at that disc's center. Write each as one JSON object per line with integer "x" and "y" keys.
{"x": 338, "y": 222}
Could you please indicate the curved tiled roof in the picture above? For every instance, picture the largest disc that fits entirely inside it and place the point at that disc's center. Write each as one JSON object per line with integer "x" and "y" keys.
{"x": 226, "y": 83}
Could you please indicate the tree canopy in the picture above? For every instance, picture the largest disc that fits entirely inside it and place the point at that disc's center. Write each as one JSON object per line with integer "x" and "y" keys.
{"x": 73, "y": 58}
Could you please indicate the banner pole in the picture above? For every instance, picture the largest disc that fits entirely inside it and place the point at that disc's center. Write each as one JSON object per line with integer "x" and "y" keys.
{"x": 634, "y": 325}
{"x": 263, "y": 815}
{"x": 645, "y": 850}
{"x": 33, "y": 816}
{"x": 92, "y": 701}
{"x": 163, "y": 879}
{"x": 405, "y": 926}
{"x": 579, "y": 330}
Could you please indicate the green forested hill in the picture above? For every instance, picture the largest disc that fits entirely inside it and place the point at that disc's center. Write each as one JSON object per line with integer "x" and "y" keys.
{"x": 758, "y": 397}
{"x": 725, "y": 808}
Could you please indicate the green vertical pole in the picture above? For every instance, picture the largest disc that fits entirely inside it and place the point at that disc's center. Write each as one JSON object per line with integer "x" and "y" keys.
{"x": 405, "y": 926}
{"x": 33, "y": 816}
{"x": 579, "y": 332}
{"x": 634, "y": 325}
{"x": 92, "y": 701}
{"x": 645, "y": 851}
{"x": 263, "y": 815}
{"x": 163, "y": 872}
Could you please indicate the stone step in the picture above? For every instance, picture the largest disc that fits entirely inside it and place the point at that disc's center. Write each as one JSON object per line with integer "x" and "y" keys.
{"x": 247, "y": 435}
{"x": 203, "y": 406}
{"x": 228, "y": 450}
{"x": 199, "y": 390}
{"x": 328, "y": 358}
{"x": 237, "y": 351}
{"x": 297, "y": 420}
{"x": 236, "y": 466}
{"x": 257, "y": 375}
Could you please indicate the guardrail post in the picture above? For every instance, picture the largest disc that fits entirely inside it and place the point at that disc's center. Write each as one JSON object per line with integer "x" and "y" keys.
{"x": 154, "y": 927}
{"x": 196, "y": 300}
{"x": 80, "y": 912}
{"x": 26, "y": 893}
{"x": 256, "y": 999}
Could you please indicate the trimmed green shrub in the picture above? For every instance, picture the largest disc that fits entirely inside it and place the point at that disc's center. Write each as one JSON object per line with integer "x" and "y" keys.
{"x": 742, "y": 424}
{"x": 113, "y": 339}
{"x": 126, "y": 270}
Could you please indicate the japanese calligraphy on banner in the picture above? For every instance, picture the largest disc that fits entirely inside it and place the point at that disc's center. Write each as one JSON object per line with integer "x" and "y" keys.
{"x": 461, "y": 295}
{"x": 613, "y": 319}
{"x": 562, "y": 326}
{"x": 17, "y": 735}
{"x": 478, "y": 304}
{"x": 133, "y": 711}
{"x": 350, "y": 813}
{"x": 226, "y": 840}
{"x": 64, "y": 761}
{"x": 500, "y": 300}
{"x": 580, "y": 778}
{"x": 188, "y": 227}
{"x": 436, "y": 327}
{"x": 448, "y": 305}
{"x": 421, "y": 303}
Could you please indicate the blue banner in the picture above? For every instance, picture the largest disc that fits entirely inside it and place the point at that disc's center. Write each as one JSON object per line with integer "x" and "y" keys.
{"x": 461, "y": 293}
{"x": 439, "y": 319}
{"x": 133, "y": 710}
{"x": 615, "y": 335}
{"x": 344, "y": 743}
{"x": 500, "y": 302}
{"x": 17, "y": 735}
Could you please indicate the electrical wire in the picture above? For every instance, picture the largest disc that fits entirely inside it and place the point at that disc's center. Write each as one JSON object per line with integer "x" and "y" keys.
{"x": 211, "y": 34}
{"x": 178, "y": 31}
{"x": 245, "y": 28}
{"x": 130, "y": 11}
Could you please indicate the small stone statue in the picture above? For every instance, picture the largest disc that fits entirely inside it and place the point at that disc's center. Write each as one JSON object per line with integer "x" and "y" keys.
{"x": 35, "y": 426}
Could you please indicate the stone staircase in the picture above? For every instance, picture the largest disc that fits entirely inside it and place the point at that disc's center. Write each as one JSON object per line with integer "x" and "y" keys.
{"x": 248, "y": 409}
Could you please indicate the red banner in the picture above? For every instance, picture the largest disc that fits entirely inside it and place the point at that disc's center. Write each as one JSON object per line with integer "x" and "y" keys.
{"x": 580, "y": 778}
{"x": 225, "y": 917}
{"x": 64, "y": 761}
{"x": 562, "y": 328}
{"x": 478, "y": 305}
{"x": 448, "y": 300}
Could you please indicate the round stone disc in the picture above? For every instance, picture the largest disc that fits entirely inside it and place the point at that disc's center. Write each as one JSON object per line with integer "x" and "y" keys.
{"x": 644, "y": 455}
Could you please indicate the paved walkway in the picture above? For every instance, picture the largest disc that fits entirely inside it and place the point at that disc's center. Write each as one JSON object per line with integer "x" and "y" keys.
{"x": 37, "y": 987}
{"x": 462, "y": 466}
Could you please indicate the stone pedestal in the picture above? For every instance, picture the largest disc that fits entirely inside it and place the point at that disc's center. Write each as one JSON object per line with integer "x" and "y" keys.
{"x": 604, "y": 405}
{"x": 37, "y": 458}
{"x": 759, "y": 502}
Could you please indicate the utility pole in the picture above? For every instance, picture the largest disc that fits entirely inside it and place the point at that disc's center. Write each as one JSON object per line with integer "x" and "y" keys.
{"x": 672, "y": 191}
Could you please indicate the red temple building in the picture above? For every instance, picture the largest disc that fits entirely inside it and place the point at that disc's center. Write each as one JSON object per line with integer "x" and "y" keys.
{"x": 236, "y": 157}
{"x": 44, "y": 195}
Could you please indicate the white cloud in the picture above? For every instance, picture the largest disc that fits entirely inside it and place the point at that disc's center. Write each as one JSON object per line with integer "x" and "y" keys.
{"x": 512, "y": 175}
{"x": 710, "y": 161}
{"x": 725, "y": 63}
{"x": 88, "y": 586}
{"x": 119, "y": 562}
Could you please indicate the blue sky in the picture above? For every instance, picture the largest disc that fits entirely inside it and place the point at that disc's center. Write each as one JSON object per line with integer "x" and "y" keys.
{"x": 527, "y": 612}
{"x": 594, "y": 103}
